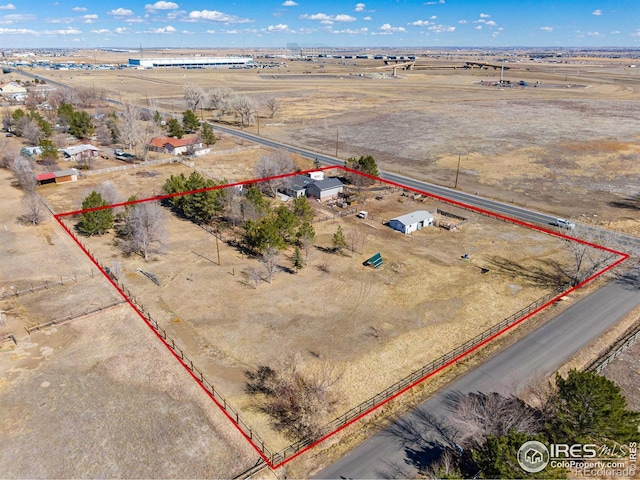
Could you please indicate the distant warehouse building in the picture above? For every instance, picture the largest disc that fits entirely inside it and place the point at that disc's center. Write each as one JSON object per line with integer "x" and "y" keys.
{"x": 192, "y": 62}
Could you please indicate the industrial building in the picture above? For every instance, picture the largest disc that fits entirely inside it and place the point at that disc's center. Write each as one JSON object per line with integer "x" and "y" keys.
{"x": 192, "y": 62}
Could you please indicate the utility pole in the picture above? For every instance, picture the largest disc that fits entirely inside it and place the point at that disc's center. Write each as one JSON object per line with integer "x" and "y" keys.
{"x": 457, "y": 172}
{"x": 217, "y": 245}
{"x": 336, "y": 143}
{"x": 258, "y": 122}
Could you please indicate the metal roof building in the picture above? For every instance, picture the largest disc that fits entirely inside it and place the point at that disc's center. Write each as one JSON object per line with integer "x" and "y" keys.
{"x": 411, "y": 222}
{"x": 192, "y": 62}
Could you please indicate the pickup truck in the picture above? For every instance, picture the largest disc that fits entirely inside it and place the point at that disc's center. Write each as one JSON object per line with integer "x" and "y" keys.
{"x": 562, "y": 223}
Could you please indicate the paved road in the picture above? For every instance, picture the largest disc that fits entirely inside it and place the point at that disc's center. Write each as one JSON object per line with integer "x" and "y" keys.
{"x": 537, "y": 355}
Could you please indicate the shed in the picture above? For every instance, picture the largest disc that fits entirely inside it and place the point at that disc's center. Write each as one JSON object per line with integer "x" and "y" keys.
{"x": 70, "y": 175}
{"x": 44, "y": 178}
{"x": 325, "y": 189}
{"x": 411, "y": 222}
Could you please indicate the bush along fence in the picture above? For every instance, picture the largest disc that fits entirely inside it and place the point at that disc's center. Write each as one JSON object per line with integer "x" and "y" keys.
{"x": 180, "y": 354}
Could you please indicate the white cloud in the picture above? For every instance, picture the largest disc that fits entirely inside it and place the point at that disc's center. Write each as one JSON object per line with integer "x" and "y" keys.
{"x": 216, "y": 16}
{"x": 367, "y": 18}
{"x": 17, "y": 31}
{"x": 134, "y": 20}
{"x": 90, "y": 18}
{"x": 8, "y": 6}
{"x": 161, "y": 5}
{"x": 546, "y": 29}
{"x": 463, "y": 22}
{"x": 636, "y": 33}
{"x": 479, "y": 27}
{"x": 323, "y": 17}
{"x": 351, "y": 31}
{"x": 79, "y": 9}
{"x": 281, "y": 27}
{"x": 433, "y": 17}
{"x": 441, "y": 28}
{"x": 359, "y": 7}
{"x": 121, "y": 30}
{"x": 102, "y": 31}
{"x": 289, "y": 3}
{"x": 597, "y": 12}
{"x": 66, "y": 31}
{"x": 435, "y": 3}
{"x": 18, "y": 17}
{"x": 594, "y": 34}
{"x": 121, "y": 12}
{"x": 420, "y": 23}
{"x": 485, "y": 15}
{"x": 491, "y": 23}
{"x": 387, "y": 29}
{"x": 495, "y": 34}
{"x": 162, "y": 30}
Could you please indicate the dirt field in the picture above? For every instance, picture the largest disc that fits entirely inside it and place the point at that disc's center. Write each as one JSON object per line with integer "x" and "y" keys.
{"x": 547, "y": 146}
{"x": 336, "y": 310}
{"x": 99, "y": 396}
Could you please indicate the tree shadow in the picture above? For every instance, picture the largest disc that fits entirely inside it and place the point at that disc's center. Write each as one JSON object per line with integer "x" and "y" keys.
{"x": 544, "y": 273}
{"x": 629, "y": 203}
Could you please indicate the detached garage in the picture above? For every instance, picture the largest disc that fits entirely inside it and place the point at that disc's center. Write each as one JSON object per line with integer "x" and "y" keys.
{"x": 325, "y": 189}
{"x": 412, "y": 221}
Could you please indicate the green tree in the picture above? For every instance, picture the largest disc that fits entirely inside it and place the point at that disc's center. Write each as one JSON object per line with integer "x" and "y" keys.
{"x": 202, "y": 206}
{"x": 95, "y": 222}
{"x": 80, "y": 124}
{"x": 190, "y": 121}
{"x": 302, "y": 209}
{"x": 286, "y": 223}
{"x": 363, "y": 164}
{"x": 49, "y": 151}
{"x": 208, "y": 137}
{"x": 174, "y": 129}
{"x": 339, "y": 240}
{"x": 298, "y": 262}
{"x": 262, "y": 235}
{"x": 254, "y": 205}
{"x": 588, "y": 407}
{"x": 498, "y": 458}
{"x": 157, "y": 118}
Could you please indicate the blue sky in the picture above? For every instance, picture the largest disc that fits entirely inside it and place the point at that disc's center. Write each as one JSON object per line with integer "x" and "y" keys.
{"x": 245, "y": 23}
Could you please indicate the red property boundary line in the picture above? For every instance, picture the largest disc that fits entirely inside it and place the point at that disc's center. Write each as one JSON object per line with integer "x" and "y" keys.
{"x": 622, "y": 257}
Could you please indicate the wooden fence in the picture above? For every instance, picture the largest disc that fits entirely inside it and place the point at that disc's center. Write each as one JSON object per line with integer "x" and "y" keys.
{"x": 46, "y": 285}
{"x": 628, "y": 338}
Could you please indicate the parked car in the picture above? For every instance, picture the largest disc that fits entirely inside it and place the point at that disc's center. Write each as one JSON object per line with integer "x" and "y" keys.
{"x": 562, "y": 223}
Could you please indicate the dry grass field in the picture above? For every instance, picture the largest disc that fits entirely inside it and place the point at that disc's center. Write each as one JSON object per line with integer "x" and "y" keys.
{"x": 99, "y": 396}
{"x": 372, "y": 327}
{"x": 567, "y": 146}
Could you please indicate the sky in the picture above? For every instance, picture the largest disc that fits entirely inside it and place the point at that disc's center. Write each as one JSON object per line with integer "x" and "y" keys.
{"x": 331, "y": 23}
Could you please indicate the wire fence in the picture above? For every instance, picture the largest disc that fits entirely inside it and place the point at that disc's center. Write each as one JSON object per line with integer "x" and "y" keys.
{"x": 628, "y": 338}
{"x": 47, "y": 284}
{"x": 69, "y": 318}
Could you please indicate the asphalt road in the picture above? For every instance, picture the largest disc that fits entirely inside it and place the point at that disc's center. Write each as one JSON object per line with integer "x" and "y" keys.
{"x": 538, "y": 355}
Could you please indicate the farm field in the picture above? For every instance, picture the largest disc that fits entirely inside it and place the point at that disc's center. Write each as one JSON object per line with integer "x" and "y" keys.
{"x": 370, "y": 327}
{"x": 546, "y": 146}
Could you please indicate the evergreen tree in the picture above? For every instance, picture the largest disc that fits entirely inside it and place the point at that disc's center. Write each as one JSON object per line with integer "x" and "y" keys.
{"x": 208, "y": 137}
{"x": 190, "y": 121}
{"x": 49, "y": 151}
{"x": 262, "y": 235}
{"x": 95, "y": 222}
{"x": 157, "y": 118}
{"x": 498, "y": 458}
{"x": 339, "y": 241}
{"x": 589, "y": 408}
{"x": 306, "y": 235}
{"x": 80, "y": 124}
{"x": 286, "y": 223}
{"x": 174, "y": 129}
{"x": 302, "y": 209}
{"x": 298, "y": 262}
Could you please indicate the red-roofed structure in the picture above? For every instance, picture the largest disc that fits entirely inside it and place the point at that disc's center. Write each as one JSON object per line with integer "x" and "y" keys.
{"x": 175, "y": 146}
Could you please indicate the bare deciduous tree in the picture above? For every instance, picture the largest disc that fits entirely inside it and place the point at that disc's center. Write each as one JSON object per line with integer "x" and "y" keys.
{"x": 129, "y": 125}
{"x": 35, "y": 211}
{"x": 30, "y": 130}
{"x": 587, "y": 260}
{"x": 109, "y": 192}
{"x": 270, "y": 260}
{"x": 273, "y": 106}
{"x": 22, "y": 168}
{"x": 254, "y": 276}
{"x": 220, "y": 100}
{"x": 277, "y": 163}
{"x": 144, "y": 229}
{"x": 194, "y": 97}
{"x": 244, "y": 109}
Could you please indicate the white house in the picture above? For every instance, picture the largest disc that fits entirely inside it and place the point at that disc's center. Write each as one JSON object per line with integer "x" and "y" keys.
{"x": 325, "y": 189}
{"x": 411, "y": 222}
{"x": 79, "y": 152}
{"x": 296, "y": 186}
{"x": 10, "y": 89}
{"x": 176, "y": 146}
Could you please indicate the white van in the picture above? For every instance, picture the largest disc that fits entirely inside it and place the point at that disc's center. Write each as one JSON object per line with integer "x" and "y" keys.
{"x": 562, "y": 223}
